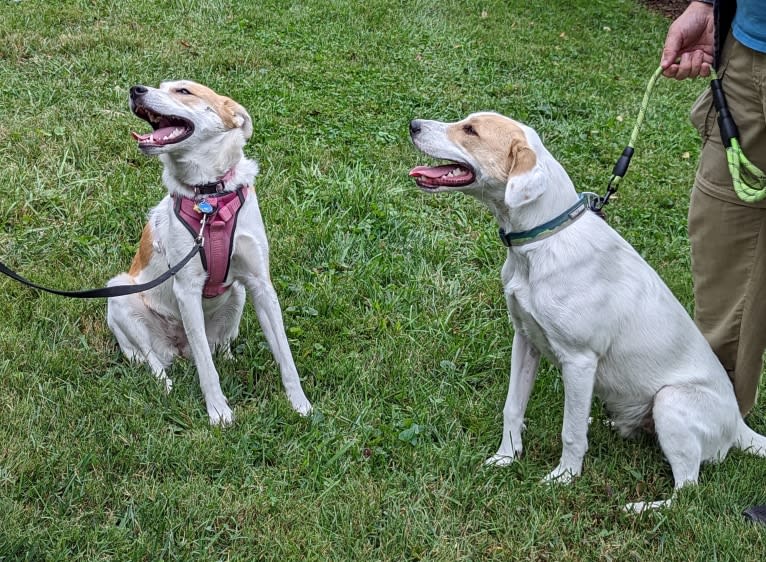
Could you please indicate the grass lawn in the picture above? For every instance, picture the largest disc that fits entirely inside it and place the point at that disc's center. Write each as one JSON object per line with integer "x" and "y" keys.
{"x": 392, "y": 299}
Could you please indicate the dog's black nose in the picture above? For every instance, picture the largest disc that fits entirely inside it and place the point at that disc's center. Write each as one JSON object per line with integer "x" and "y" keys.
{"x": 415, "y": 126}
{"x": 138, "y": 91}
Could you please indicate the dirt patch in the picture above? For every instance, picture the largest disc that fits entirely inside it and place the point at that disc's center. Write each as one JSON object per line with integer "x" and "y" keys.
{"x": 670, "y": 8}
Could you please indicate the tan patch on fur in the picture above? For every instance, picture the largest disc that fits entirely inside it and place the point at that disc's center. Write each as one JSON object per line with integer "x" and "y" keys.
{"x": 144, "y": 254}
{"x": 231, "y": 113}
{"x": 499, "y": 144}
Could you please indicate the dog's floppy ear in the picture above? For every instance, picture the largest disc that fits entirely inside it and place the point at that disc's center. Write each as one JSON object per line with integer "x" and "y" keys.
{"x": 521, "y": 157}
{"x": 525, "y": 183}
{"x": 237, "y": 117}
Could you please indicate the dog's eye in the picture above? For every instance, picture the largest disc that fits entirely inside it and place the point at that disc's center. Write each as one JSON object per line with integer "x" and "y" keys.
{"x": 183, "y": 91}
{"x": 469, "y": 130}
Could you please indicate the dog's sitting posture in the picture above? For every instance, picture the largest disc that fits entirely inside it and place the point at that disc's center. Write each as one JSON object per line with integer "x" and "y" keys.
{"x": 198, "y": 136}
{"x": 580, "y": 295}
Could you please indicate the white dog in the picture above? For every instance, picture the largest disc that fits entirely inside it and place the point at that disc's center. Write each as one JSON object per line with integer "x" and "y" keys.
{"x": 198, "y": 136}
{"x": 580, "y": 295}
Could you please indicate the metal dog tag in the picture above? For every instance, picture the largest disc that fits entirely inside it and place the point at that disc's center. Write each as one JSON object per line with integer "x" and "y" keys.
{"x": 203, "y": 207}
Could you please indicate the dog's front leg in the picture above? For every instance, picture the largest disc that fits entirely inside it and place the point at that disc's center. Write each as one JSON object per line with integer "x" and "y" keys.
{"x": 190, "y": 306}
{"x": 579, "y": 375}
{"x": 270, "y": 317}
{"x": 524, "y": 362}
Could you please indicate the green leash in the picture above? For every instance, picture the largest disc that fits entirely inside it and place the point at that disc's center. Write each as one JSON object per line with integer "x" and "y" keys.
{"x": 748, "y": 180}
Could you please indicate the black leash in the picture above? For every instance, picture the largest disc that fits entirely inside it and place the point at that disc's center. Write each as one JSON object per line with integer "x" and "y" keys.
{"x": 118, "y": 290}
{"x": 107, "y": 292}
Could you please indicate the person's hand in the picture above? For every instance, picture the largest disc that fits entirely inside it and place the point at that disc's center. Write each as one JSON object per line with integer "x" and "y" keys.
{"x": 688, "y": 50}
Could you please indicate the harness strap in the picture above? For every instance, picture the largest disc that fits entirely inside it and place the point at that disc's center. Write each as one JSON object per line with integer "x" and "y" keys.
{"x": 219, "y": 238}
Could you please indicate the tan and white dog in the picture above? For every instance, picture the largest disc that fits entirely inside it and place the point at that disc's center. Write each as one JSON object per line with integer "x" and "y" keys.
{"x": 199, "y": 138}
{"x": 580, "y": 295}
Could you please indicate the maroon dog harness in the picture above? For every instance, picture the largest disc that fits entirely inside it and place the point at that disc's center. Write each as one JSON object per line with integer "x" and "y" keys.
{"x": 222, "y": 211}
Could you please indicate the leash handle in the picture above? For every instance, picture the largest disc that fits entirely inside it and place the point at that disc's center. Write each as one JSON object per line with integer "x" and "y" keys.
{"x": 748, "y": 180}
{"x": 726, "y": 122}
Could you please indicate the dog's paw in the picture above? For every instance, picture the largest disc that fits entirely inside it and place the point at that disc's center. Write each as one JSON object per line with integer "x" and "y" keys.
{"x": 499, "y": 460}
{"x": 164, "y": 380}
{"x": 606, "y": 423}
{"x": 303, "y": 407}
{"x": 227, "y": 354}
{"x": 641, "y": 507}
{"x": 561, "y": 475}
{"x": 168, "y": 384}
{"x": 219, "y": 413}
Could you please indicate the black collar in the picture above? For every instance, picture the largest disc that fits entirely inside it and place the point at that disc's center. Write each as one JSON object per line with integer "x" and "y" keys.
{"x": 217, "y": 186}
{"x": 208, "y": 188}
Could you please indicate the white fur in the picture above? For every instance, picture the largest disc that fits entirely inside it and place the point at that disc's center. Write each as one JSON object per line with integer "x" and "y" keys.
{"x": 173, "y": 319}
{"x": 584, "y": 299}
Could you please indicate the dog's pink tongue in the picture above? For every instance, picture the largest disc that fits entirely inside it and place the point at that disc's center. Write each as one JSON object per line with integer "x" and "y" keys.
{"x": 432, "y": 173}
{"x": 138, "y": 137}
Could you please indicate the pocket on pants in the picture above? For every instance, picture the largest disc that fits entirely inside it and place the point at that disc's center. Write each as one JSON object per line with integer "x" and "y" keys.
{"x": 703, "y": 115}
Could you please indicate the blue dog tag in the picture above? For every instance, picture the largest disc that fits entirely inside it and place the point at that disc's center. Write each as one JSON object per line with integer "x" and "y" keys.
{"x": 204, "y": 207}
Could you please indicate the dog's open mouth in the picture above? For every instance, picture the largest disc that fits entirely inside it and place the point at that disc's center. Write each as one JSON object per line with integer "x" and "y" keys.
{"x": 168, "y": 129}
{"x": 449, "y": 175}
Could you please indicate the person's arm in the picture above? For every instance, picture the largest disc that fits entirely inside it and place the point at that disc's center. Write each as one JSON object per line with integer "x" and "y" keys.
{"x": 689, "y": 45}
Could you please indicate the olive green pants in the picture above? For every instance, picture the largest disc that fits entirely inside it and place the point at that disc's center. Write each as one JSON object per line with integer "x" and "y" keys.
{"x": 728, "y": 236}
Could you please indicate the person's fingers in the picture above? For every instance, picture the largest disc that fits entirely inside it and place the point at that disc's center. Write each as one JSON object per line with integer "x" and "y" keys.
{"x": 670, "y": 71}
{"x": 690, "y": 65}
{"x": 672, "y": 46}
{"x": 695, "y": 63}
{"x": 683, "y": 67}
{"x": 668, "y": 56}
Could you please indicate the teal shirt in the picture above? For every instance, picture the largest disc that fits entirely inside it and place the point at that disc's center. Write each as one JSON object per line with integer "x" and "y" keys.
{"x": 749, "y": 26}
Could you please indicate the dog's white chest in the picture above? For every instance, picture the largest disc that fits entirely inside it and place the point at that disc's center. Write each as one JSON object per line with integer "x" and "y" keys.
{"x": 524, "y": 315}
{"x": 525, "y": 322}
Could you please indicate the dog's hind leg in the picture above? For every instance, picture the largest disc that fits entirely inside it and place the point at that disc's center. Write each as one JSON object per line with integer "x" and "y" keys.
{"x": 750, "y": 441}
{"x": 683, "y": 435}
{"x": 127, "y": 319}
{"x": 579, "y": 374}
{"x": 524, "y": 362}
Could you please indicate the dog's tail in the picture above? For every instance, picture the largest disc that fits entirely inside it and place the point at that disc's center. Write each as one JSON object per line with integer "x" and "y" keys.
{"x": 750, "y": 441}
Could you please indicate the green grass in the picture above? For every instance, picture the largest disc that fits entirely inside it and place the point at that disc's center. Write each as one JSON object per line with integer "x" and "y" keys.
{"x": 392, "y": 299}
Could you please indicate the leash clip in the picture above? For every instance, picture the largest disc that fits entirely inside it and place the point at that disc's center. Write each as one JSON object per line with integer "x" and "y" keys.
{"x": 593, "y": 201}
{"x": 200, "y": 240}
{"x": 597, "y": 202}
{"x": 204, "y": 208}
{"x": 620, "y": 168}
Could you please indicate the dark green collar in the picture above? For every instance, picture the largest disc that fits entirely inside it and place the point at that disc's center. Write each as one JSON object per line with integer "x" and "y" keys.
{"x": 548, "y": 228}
